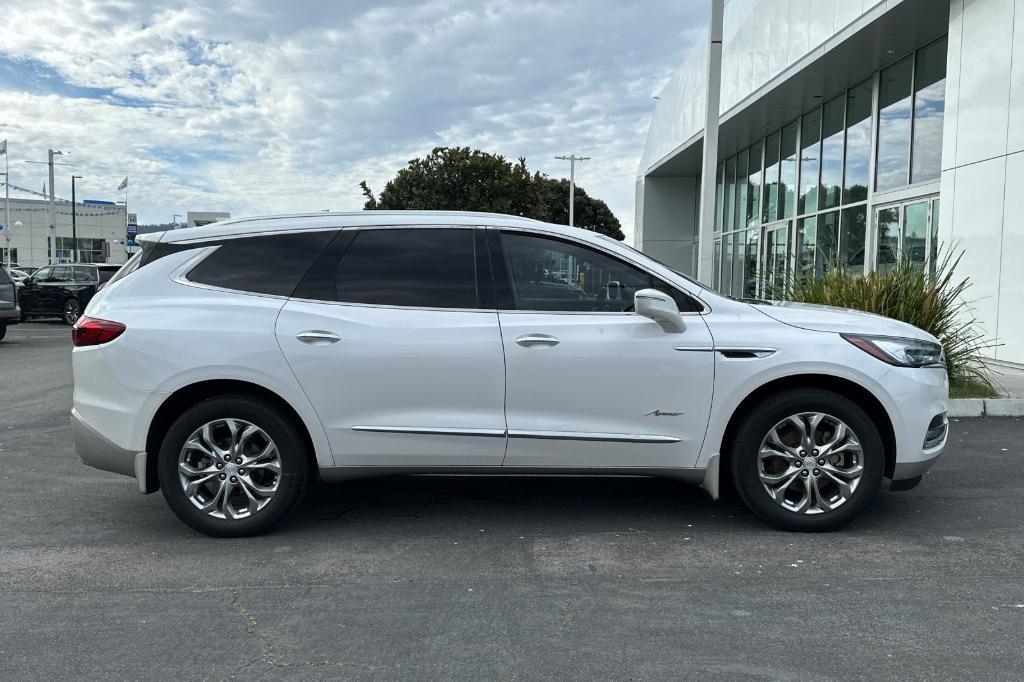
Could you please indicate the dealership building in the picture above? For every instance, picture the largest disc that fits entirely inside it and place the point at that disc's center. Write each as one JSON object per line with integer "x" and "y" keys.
{"x": 850, "y": 133}
{"x": 100, "y": 227}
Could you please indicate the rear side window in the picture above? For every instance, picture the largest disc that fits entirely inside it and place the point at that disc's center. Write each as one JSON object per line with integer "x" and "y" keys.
{"x": 84, "y": 274}
{"x": 4, "y": 277}
{"x": 414, "y": 267}
{"x": 272, "y": 264}
{"x": 106, "y": 273}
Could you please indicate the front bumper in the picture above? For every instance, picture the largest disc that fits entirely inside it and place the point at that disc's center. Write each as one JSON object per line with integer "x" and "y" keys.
{"x": 101, "y": 453}
{"x": 920, "y": 398}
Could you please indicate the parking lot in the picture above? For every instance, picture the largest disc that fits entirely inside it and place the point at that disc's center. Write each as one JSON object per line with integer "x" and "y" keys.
{"x": 491, "y": 578}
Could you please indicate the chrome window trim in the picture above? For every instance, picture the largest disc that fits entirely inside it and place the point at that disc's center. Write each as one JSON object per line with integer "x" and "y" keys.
{"x": 245, "y": 235}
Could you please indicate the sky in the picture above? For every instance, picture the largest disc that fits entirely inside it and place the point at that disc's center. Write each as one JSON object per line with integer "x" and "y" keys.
{"x": 258, "y": 107}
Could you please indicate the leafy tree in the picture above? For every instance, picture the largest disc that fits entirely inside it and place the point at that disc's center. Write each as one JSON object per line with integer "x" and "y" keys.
{"x": 461, "y": 179}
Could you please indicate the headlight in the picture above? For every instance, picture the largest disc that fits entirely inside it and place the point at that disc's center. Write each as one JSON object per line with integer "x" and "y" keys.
{"x": 898, "y": 351}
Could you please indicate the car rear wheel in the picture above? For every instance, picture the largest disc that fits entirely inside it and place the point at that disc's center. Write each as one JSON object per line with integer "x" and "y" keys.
{"x": 231, "y": 466}
{"x": 3, "y": 331}
{"x": 808, "y": 460}
{"x": 72, "y": 311}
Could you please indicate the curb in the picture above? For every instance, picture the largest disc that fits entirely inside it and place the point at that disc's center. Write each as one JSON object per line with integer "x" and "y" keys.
{"x": 986, "y": 407}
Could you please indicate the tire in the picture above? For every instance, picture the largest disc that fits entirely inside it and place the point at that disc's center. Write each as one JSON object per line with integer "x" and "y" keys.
{"x": 816, "y": 500}
{"x": 246, "y": 511}
{"x": 71, "y": 311}
{"x": 3, "y": 331}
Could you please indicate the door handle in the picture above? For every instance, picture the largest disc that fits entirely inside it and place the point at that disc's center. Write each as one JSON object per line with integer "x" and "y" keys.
{"x": 314, "y": 337}
{"x": 543, "y": 340}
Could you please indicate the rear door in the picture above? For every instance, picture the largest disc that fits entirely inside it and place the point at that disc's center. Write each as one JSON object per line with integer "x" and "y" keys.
{"x": 394, "y": 336}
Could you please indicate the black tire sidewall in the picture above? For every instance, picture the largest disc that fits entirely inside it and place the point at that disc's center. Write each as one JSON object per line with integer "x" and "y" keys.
{"x": 744, "y": 465}
{"x": 294, "y": 464}
{"x": 64, "y": 312}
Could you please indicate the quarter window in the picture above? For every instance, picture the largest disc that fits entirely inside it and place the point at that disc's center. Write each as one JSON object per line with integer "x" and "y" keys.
{"x": 411, "y": 267}
{"x": 263, "y": 265}
{"x": 555, "y": 275}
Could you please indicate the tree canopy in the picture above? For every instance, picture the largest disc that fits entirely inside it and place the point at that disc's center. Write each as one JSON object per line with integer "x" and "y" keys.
{"x": 461, "y": 179}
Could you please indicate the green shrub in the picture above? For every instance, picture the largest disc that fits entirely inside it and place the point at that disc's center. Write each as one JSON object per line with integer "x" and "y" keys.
{"x": 935, "y": 304}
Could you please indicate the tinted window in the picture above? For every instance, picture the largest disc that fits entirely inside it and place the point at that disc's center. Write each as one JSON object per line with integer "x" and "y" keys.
{"x": 263, "y": 265}
{"x": 61, "y": 274}
{"x": 83, "y": 274}
{"x": 4, "y": 277}
{"x": 425, "y": 267}
{"x": 42, "y": 275}
{"x": 550, "y": 274}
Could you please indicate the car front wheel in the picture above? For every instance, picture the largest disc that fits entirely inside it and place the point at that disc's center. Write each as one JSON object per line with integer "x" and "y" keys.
{"x": 231, "y": 466}
{"x": 807, "y": 460}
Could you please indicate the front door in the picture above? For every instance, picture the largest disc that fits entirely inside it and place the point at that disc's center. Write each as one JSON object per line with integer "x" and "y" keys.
{"x": 397, "y": 351}
{"x": 589, "y": 383}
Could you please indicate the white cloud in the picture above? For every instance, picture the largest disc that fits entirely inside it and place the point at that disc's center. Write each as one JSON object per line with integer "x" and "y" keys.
{"x": 270, "y": 106}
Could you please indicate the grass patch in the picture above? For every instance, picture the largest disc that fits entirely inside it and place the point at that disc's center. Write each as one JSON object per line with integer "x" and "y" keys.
{"x": 969, "y": 388}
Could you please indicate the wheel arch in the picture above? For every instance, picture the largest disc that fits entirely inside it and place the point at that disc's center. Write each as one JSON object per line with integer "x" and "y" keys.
{"x": 186, "y": 396}
{"x": 864, "y": 398}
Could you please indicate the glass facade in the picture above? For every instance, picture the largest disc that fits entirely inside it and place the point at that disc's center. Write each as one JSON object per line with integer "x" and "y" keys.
{"x": 89, "y": 250}
{"x": 797, "y": 202}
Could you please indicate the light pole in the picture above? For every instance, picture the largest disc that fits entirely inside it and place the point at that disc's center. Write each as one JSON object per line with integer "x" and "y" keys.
{"x": 7, "y": 199}
{"x": 74, "y": 220}
{"x": 174, "y": 220}
{"x": 52, "y": 239}
{"x": 7, "y": 213}
{"x": 572, "y": 159}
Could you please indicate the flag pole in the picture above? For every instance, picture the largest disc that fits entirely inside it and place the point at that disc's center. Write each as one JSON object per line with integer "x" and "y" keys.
{"x": 7, "y": 204}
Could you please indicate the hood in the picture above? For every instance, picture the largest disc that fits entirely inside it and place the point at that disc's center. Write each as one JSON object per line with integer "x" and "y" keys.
{"x": 826, "y": 318}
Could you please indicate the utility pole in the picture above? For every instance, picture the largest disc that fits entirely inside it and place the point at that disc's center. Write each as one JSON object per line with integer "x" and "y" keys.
{"x": 174, "y": 219}
{"x": 572, "y": 159}
{"x": 52, "y": 239}
{"x": 74, "y": 219}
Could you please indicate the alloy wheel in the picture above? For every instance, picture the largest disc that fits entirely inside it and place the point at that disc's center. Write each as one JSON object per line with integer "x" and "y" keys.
{"x": 229, "y": 468}
{"x": 72, "y": 311}
{"x": 810, "y": 463}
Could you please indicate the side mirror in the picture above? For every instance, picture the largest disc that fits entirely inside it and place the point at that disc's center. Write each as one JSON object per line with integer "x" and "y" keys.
{"x": 659, "y": 307}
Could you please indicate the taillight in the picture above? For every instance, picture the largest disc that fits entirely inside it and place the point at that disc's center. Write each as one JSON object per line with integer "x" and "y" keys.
{"x": 89, "y": 331}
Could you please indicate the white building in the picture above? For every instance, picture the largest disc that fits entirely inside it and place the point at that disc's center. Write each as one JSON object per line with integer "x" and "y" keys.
{"x": 851, "y": 132}
{"x": 101, "y": 230}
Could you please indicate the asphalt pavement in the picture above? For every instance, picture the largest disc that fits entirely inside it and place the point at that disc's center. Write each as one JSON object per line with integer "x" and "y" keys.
{"x": 496, "y": 578}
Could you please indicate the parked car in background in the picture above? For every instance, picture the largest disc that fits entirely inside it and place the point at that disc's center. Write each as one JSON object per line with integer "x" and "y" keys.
{"x": 10, "y": 313}
{"x": 232, "y": 365}
{"x": 63, "y": 290}
{"x": 28, "y": 269}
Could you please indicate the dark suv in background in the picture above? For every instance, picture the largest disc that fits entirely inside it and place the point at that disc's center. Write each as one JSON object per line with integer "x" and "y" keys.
{"x": 10, "y": 313}
{"x": 63, "y": 290}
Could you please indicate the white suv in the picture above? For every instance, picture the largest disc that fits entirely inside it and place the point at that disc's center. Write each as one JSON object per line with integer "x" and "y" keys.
{"x": 230, "y": 365}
